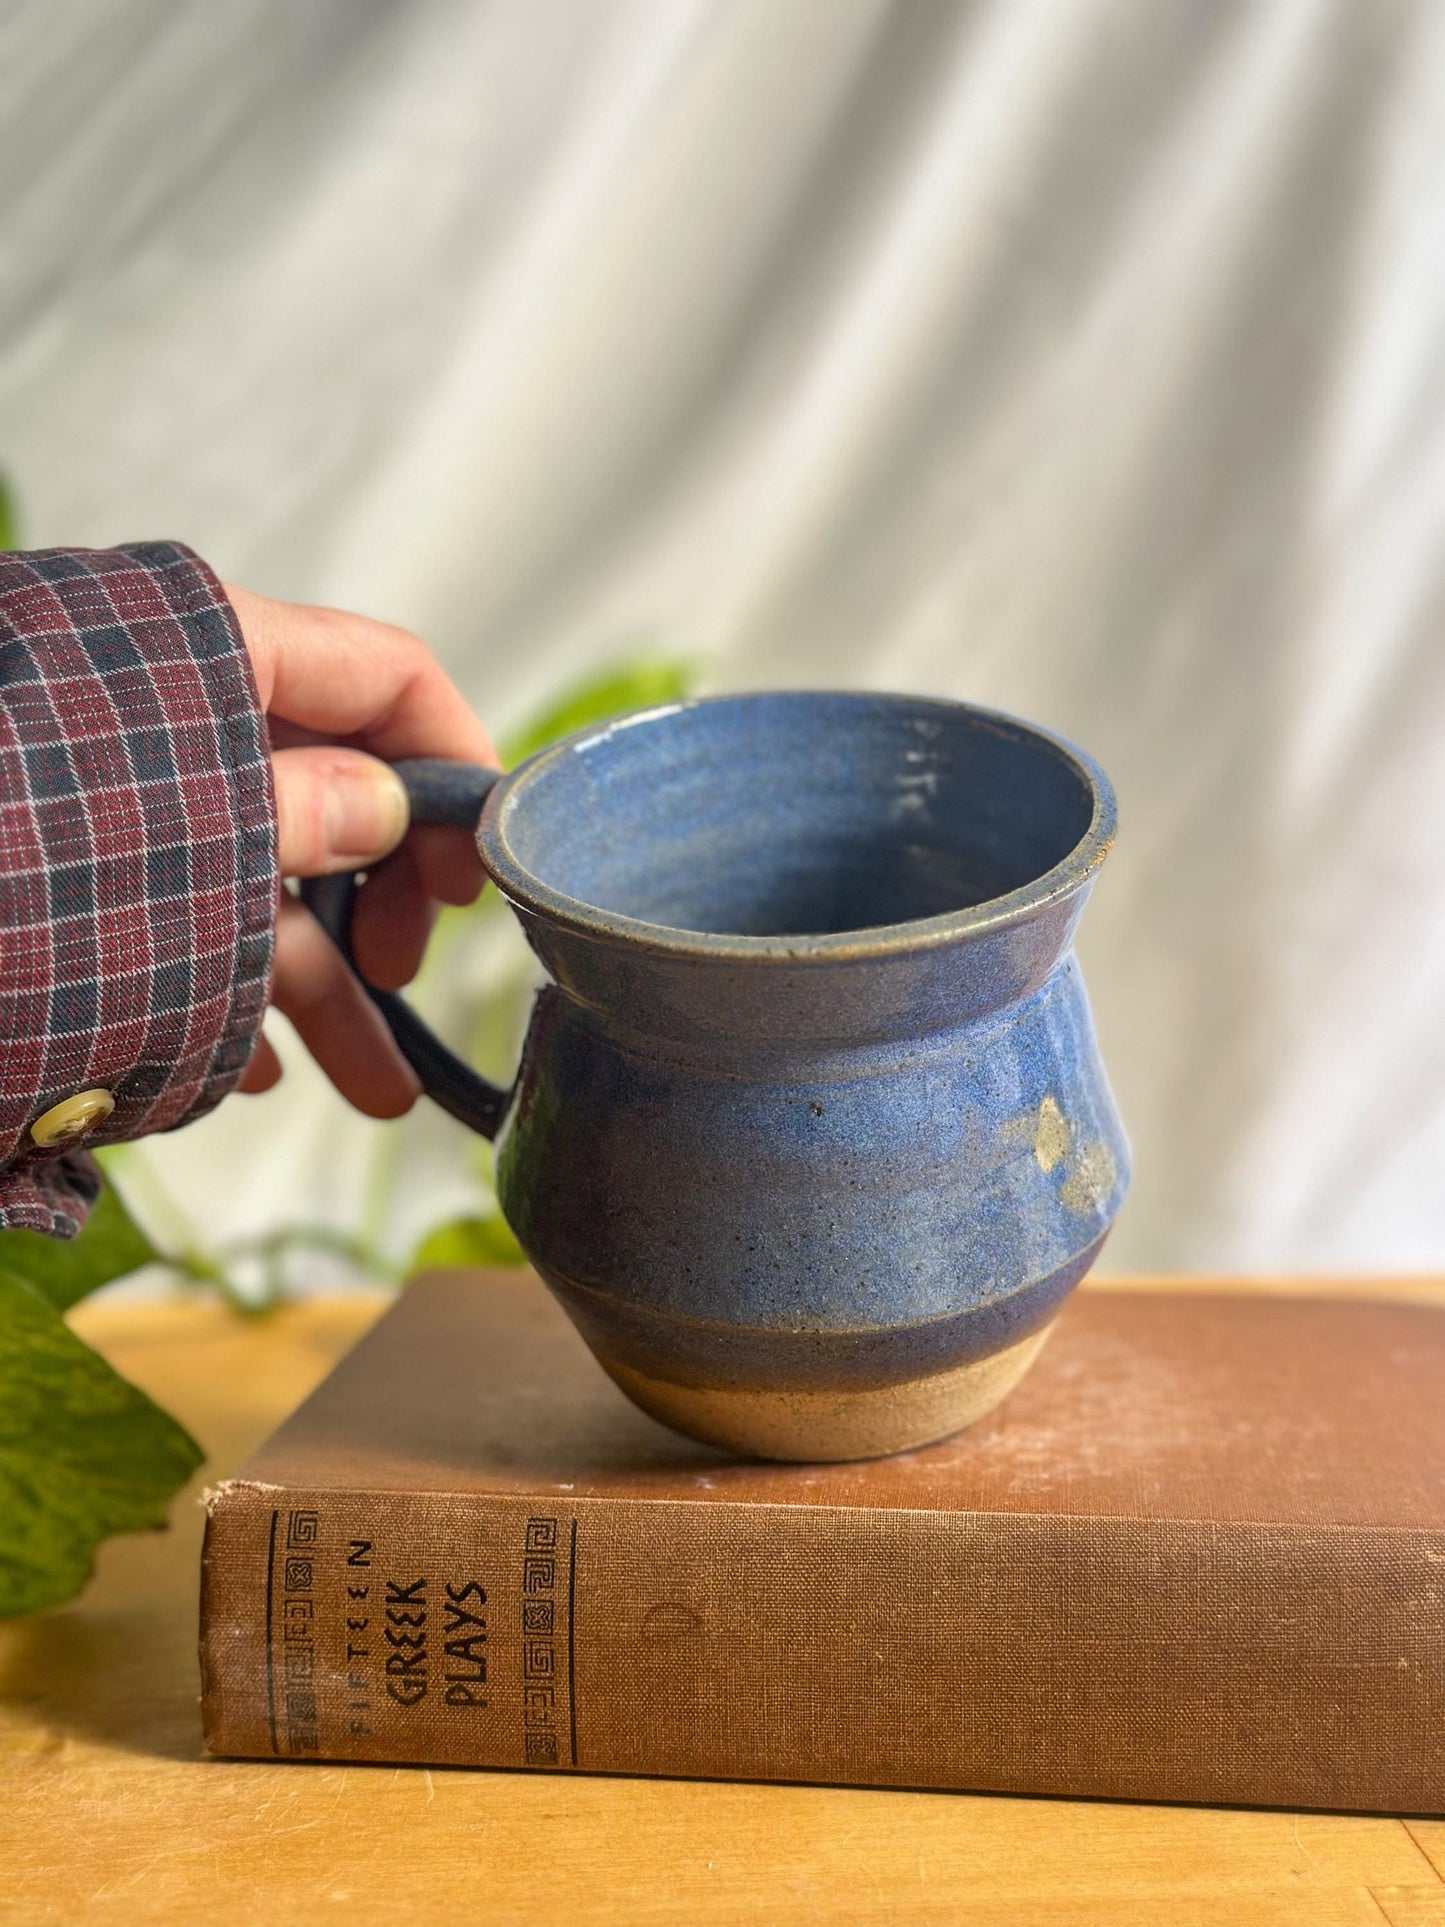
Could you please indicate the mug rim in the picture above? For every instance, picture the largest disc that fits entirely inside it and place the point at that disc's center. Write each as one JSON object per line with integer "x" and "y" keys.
{"x": 525, "y": 890}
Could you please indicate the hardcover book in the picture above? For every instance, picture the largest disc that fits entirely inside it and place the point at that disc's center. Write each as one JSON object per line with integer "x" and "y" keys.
{"x": 1198, "y": 1554}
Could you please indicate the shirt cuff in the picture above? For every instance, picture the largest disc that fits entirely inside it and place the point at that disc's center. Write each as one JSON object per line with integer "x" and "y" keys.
{"x": 138, "y": 868}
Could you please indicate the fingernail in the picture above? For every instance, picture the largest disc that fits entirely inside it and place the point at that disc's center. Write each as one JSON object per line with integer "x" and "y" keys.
{"x": 366, "y": 814}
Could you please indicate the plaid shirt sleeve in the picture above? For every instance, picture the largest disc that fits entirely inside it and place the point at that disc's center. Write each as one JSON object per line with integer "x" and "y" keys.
{"x": 138, "y": 873}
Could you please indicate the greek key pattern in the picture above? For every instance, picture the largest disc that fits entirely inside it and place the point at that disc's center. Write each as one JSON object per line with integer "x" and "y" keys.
{"x": 539, "y": 1644}
{"x": 298, "y": 1633}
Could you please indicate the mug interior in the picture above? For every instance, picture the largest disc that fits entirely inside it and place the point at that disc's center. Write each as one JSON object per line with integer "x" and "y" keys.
{"x": 797, "y": 814}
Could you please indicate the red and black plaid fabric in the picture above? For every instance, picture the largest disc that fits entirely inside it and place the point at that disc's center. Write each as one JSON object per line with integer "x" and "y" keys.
{"x": 138, "y": 870}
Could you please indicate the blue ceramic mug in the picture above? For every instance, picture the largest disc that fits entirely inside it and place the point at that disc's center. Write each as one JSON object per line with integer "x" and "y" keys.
{"x": 810, "y": 1135}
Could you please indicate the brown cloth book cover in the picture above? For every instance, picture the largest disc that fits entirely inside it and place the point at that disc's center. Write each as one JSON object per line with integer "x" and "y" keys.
{"x": 1199, "y": 1554}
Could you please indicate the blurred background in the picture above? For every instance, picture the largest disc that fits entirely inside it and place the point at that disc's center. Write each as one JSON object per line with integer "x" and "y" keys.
{"x": 1085, "y": 358}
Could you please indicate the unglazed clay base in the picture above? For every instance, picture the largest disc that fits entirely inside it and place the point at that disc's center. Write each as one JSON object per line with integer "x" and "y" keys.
{"x": 808, "y": 1426}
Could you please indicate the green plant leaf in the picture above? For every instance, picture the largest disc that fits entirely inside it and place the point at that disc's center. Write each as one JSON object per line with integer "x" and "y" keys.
{"x": 617, "y": 691}
{"x": 468, "y": 1241}
{"x": 9, "y": 538}
{"x": 110, "y": 1246}
{"x": 83, "y": 1454}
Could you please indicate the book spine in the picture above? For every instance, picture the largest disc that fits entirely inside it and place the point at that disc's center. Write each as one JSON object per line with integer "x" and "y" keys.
{"x": 1088, "y": 1656}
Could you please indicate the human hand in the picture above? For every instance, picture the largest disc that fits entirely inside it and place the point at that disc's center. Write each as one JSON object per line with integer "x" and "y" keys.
{"x": 335, "y": 687}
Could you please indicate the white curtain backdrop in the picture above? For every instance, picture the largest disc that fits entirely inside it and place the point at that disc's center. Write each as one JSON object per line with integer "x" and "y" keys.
{"x": 1081, "y": 357}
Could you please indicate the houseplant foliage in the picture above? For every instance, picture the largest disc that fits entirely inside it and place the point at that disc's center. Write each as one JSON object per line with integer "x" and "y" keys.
{"x": 83, "y": 1453}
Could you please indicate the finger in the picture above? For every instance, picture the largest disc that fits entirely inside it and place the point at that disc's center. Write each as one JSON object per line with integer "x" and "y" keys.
{"x": 397, "y": 905}
{"x": 336, "y": 809}
{"x": 346, "y": 675}
{"x": 447, "y": 863}
{"x": 335, "y": 1019}
{"x": 286, "y": 735}
{"x": 392, "y": 921}
{"x": 263, "y": 1072}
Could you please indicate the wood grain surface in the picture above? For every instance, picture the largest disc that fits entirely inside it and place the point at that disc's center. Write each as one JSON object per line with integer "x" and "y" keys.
{"x": 109, "y": 1811}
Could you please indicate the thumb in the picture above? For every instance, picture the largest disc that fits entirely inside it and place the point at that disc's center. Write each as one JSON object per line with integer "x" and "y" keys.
{"x": 336, "y": 809}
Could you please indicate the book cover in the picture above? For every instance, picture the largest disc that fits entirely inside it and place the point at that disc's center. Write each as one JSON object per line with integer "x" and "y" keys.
{"x": 1199, "y": 1554}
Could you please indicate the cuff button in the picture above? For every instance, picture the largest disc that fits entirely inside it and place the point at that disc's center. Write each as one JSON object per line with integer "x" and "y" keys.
{"x": 71, "y": 1119}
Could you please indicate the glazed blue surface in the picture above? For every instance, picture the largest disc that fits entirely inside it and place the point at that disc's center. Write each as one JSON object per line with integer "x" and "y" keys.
{"x": 813, "y": 1098}
{"x": 812, "y": 1102}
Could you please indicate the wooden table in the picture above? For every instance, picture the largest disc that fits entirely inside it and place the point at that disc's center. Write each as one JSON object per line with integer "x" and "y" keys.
{"x": 109, "y": 1811}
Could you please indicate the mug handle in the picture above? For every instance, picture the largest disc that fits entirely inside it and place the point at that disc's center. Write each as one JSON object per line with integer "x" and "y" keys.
{"x": 438, "y": 792}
